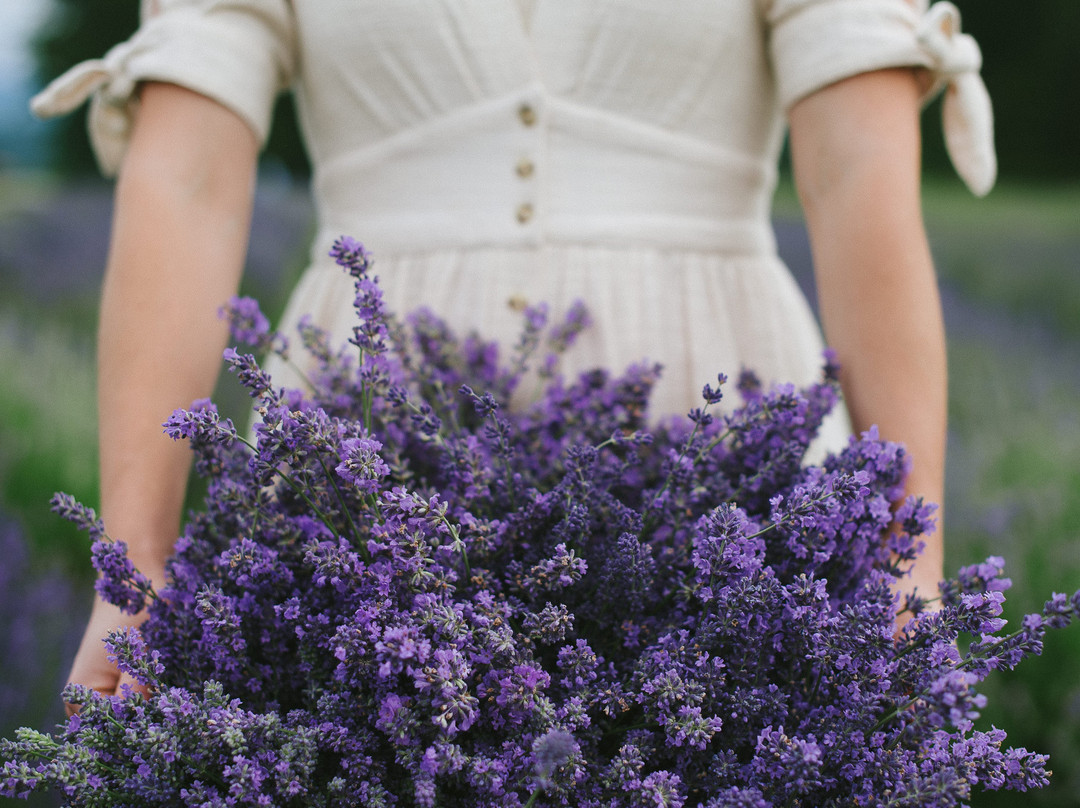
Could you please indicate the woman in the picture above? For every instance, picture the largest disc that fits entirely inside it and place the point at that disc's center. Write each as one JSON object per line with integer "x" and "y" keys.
{"x": 489, "y": 150}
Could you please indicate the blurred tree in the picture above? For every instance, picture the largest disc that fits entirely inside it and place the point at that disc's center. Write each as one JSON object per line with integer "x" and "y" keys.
{"x": 76, "y": 30}
{"x": 85, "y": 29}
{"x": 1031, "y": 66}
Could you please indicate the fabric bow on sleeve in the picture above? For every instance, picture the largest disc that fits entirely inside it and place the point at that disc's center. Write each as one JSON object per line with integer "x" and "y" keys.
{"x": 110, "y": 88}
{"x": 967, "y": 115}
{"x": 239, "y": 53}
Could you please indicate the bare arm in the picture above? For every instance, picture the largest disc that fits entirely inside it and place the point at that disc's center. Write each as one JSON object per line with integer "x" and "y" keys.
{"x": 180, "y": 230}
{"x": 856, "y": 152}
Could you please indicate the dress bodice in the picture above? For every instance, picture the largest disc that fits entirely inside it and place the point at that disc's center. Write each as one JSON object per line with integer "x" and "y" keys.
{"x": 598, "y": 115}
{"x": 447, "y": 124}
{"x": 621, "y": 152}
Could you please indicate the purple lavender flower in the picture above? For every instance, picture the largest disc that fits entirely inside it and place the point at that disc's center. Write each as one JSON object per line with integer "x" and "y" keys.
{"x": 254, "y": 379}
{"x": 37, "y": 634}
{"x": 552, "y": 750}
{"x": 351, "y": 255}
{"x": 200, "y": 424}
{"x": 565, "y": 333}
{"x": 361, "y": 465}
{"x": 247, "y": 323}
{"x": 118, "y": 583}
{"x": 84, "y": 518}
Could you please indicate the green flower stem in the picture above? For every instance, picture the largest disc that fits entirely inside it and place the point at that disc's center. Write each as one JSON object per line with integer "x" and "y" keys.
{"x": 964, "y": 664}
{"x": 345, "y": 508}
{"x": 456, "y": 536}
{"x": 300, "y": 492}
{"x": 301, "y": 374}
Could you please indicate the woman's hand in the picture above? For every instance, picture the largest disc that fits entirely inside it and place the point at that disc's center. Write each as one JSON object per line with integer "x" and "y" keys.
{"x": 922, "y": 579}
{"x": 92, "y": 666}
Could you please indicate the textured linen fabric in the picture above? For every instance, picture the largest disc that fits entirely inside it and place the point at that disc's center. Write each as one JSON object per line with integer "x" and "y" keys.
{"x": 239, "y": 53}
{"x": 486, "y": 151}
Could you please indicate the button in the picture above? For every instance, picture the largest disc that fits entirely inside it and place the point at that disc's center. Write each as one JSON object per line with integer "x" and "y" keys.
{"x": 524, "y": 213}
{"x": 527, "y": 115}
{"x": 525, "y": 168}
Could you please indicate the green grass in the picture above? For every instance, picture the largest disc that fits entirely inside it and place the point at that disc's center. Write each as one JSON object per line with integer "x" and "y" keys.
{"x": 21, "y": 190}
{"x": 47, "y": 427}
{"x": 1034, "y": 211}
{"x": 1017, "y": 249}
{"x": 1014, "y": 470}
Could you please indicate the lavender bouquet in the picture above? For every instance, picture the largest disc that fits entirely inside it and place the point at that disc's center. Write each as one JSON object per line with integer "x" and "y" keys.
{"x": 400, "y": 594}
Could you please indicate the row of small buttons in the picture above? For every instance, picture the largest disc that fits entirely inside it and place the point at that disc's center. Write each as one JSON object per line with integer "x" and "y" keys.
{"x": 526, "y": 168}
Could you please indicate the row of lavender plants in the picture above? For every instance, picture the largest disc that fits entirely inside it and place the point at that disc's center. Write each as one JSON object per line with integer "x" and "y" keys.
{"x": 36, "y": 603}
{"x": 399, "y": 594}
{"x": 1014, "y": 461}
{"x": 38, "y": 634}
{"x": 1008, "y": 265}
{"x": 46, "y": 441}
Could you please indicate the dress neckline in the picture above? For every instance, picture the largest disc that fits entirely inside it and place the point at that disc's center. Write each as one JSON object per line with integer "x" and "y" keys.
{"x": 525, "y": 14}
{"x": 526, "y": 9}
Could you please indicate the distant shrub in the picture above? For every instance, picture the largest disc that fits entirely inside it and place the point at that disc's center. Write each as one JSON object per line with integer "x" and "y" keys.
{"x": 38, "y": 633}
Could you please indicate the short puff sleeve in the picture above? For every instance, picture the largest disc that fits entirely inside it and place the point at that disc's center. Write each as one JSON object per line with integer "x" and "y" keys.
{"x": 240, "y": 53}
{"x": 814, "y": 43}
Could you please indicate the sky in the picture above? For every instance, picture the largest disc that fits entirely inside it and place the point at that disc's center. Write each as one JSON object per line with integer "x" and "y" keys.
{"x": 18, "y": 20}
{"x": 21, "y": 141}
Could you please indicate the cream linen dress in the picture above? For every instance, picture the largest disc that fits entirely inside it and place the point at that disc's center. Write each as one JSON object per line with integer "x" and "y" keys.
{"x": 486, "y": 151}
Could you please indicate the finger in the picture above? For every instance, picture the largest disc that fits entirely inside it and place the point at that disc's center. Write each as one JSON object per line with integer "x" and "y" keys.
{"x": 127, "y": 680}
{"x": 92, "y": 669}
{"x": 71, "y": 709}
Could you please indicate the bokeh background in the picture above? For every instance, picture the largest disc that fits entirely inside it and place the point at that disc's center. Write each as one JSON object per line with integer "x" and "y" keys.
{"x": 1010, "y": 275}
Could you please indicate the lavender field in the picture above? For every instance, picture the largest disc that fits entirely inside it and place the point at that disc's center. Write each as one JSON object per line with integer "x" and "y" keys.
{"x": 1012, "y": 299}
